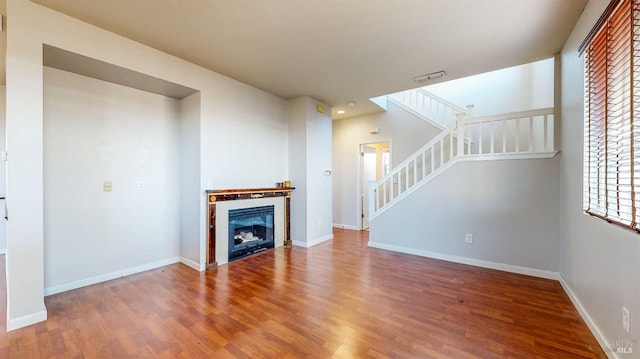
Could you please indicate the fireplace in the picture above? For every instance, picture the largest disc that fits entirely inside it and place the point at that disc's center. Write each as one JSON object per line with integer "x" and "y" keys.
{"x": 229, "y": 220}
{"x": 250, "y": 231}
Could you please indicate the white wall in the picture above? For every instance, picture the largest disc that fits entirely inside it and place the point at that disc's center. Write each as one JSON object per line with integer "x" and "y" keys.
{"x": 309, "y": 158}
{"x": 518, "y": 88}
{"x": 509, "y": 206}
{"x": 190, "y": 246}
{"x": 599, "y": 261}
{"x": 244, "y": 137}
{"x": 3, "y": 170}
{"x": 542, "y": 83}
{"x": 96, "y": 131}
{"x": 230, "y": 112}
{"x": 406, "y": 132}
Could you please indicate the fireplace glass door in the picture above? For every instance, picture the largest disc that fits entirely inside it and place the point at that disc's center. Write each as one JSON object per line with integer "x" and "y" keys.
{"x": 250, "y": 231}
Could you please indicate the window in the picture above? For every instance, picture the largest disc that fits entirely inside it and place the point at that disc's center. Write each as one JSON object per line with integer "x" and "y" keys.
{"x": 612, "y": 108}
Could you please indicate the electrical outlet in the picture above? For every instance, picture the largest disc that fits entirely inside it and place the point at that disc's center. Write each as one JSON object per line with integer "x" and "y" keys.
{"x": 468, "y": 238}
{"x": 626, "y": 319}
{"x": 107, "y": 186}
{"x": 140, "y": 185}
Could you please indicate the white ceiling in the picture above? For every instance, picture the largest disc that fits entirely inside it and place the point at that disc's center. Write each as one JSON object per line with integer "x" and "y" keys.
{"x": 338, "y": 50}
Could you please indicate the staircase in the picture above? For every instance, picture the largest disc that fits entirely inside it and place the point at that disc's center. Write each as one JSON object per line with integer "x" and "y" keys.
{"x": 518, "y": 135}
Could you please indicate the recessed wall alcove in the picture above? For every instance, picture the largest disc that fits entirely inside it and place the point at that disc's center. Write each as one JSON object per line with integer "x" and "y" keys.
{"x": 121, "y": 171}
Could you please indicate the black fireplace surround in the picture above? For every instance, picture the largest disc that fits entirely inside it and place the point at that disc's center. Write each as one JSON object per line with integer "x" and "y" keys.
{"x": 250, "y": 231}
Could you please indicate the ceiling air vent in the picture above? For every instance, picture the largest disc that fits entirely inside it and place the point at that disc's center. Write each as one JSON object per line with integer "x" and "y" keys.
{"x": 431, "y": 76}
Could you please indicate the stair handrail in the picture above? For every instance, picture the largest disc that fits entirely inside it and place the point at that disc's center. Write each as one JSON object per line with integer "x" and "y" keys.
{"x": 375, "y": 206}
{"x": 430, "y": 107}
{"x": 447, "y": 103}
{"x": 510, "y": 115}
{"x": 422, "y": 149}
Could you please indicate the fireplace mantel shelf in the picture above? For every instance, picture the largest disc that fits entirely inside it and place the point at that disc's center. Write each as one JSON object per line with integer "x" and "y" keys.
{"x": 217, "y": 195}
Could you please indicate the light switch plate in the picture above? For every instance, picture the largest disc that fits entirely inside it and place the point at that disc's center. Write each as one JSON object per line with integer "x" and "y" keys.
{"x": 107, "y": 186}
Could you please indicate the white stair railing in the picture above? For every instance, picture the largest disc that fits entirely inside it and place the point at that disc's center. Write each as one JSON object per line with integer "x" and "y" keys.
{"x": 521, "y": 133}
{"x": 424, "y": 163}
{"x": 518, "y": 135}
{"x": 428, "y": 106}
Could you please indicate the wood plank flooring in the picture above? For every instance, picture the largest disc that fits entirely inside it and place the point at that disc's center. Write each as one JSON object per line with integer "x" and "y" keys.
{"x": 339, "y": 299}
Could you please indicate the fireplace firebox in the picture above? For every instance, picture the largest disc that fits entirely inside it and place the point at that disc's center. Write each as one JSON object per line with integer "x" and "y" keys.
{"x": 250, "y": 231}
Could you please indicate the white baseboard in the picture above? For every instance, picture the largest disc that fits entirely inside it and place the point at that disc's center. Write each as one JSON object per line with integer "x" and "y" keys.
{"x": 317, "y": 241}
{"x": 313, "y": 242}
{"x": 346, "y": 226}
{"x": 189, "y": 263}
{"x": 611, "y": 353}
{"x": 470, "y": 261}
{"x": 109, "y": 276}
{"x": 13, "y": 324}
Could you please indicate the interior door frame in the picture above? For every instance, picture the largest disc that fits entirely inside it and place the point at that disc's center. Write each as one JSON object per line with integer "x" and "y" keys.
{"x": 360, "y": 190}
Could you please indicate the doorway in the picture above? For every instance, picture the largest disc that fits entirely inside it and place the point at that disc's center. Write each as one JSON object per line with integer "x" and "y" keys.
{"x": 375, "y": 163}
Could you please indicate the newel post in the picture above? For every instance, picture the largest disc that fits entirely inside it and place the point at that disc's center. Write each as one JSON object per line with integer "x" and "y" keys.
{"x": 470, "y": 111}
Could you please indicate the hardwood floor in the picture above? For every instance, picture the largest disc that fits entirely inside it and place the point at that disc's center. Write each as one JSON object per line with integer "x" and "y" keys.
{"x": 339, "y": 299}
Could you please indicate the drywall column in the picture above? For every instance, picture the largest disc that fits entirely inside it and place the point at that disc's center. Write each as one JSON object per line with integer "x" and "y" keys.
{"x": 190, "y": 193}
{"x": 25, "y": 264}
{"x": 297, "y": 169}
{"x": 310, "y": 171}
